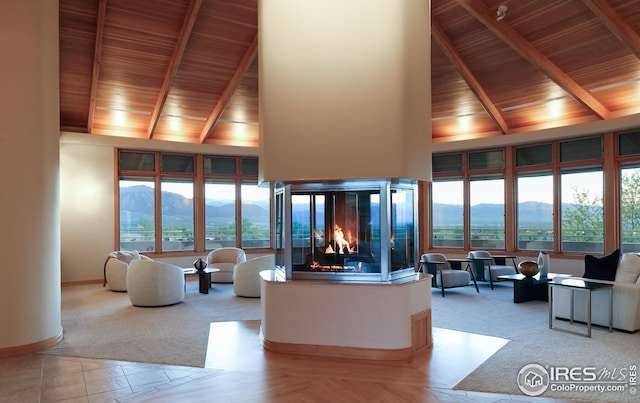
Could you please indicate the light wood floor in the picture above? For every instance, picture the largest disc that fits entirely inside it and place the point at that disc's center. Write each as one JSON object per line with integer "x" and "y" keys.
{"x": 238, "y": 370}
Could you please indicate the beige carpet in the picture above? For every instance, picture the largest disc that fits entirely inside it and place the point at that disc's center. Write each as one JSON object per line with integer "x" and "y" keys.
{"x": 99, "y": 323}
{"x": 526, "y": 325}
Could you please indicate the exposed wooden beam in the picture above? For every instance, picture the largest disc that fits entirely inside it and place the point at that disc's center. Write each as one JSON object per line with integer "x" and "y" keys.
{"x": 532, "y": 55}
{"x": 97, "y": 52}
{"x": 615, "y": 24}
{"x": 246, "y": 61}
{"x": 183, "y": 39}
{"x": 456, "y": 59}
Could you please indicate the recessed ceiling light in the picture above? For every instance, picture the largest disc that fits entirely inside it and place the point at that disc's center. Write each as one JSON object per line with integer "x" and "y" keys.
{"x": 463, "y": 115}
{"x": 106, "y": 108}
{"x": 238, "y": 122}
{"x": 198, "y": 118}
{"x": 534, "y": 103}
{"x": 614, "y": 85}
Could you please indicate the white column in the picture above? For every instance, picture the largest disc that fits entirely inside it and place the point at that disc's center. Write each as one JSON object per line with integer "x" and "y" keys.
{"x": 30, "y": 312}
{"x": 345, "y": 89}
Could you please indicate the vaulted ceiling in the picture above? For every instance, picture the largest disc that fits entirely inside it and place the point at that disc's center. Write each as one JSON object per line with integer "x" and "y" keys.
{"x": 187, "y": 70}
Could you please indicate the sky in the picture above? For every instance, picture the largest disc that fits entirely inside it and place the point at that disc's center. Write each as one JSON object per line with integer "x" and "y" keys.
{"x": 493, "y": 192}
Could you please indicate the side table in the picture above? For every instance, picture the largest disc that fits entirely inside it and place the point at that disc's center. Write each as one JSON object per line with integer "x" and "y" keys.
{"x": 204, "y": 277}
{"x": 582, "y": 285}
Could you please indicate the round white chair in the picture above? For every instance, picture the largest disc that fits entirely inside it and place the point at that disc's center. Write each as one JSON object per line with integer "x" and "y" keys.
{"x": 246, "y": 275}
{"x": 115, "y": 268}
{"x": 152, "y": 283}
{"x": 224, "y": 259}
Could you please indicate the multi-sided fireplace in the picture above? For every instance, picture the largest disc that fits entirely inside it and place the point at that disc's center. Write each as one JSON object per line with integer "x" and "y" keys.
{"x": 356, "y": 230}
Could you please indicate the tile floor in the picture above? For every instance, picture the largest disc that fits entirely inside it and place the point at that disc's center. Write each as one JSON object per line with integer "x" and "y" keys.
{"x": 43, "y": 378}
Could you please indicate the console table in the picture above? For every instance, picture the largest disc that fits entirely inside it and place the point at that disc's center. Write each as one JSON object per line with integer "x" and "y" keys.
{"x": 581, "y": 285}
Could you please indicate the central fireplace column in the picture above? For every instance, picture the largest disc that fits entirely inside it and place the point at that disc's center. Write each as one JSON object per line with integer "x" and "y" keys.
{"x": 345, "y": 96}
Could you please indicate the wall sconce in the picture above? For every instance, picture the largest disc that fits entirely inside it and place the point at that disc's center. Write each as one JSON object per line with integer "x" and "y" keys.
{"x": 502, "y": 11}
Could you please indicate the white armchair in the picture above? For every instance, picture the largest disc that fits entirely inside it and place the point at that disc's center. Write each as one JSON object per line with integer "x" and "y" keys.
{"x": 115, "y": 268}
{"x": 152, "y": 283}
{"x": 224, "y": 259}
{"x": 246, "y": 275}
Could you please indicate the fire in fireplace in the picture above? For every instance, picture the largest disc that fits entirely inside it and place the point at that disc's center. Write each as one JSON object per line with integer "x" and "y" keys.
{"x": 361, "y": 230}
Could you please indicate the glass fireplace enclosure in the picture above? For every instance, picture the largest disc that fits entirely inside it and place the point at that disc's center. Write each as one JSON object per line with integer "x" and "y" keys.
{"x": 360, "y": 230}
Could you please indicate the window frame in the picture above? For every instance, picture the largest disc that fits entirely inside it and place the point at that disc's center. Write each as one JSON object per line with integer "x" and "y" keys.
{"x": 609, "y": 162}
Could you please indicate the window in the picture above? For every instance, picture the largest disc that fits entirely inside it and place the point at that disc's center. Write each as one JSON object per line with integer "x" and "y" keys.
{"x": 135, "y": 161}
{"x": 534, "y": 155}
{"x": 302, "y": 222}
{"x": 629, "y": 143}
{"x": 169, "y": 191}
{"x": 402, "y": 231}
{"x": 579, "y": 150}
{"x": 582, "y": 210}
{"x": 486, "y": 198}
{"x": 177, "y": 215}
{"x": 493, "y": 159}
{"x": 256, "y": 224}
{"x": 630, "y": 208}
{"x": 137, "y": 212}
{"x": 447, "y": 219}
{"x": 535, "y": 211}
{"x": 447, "y": 163}
{"x": 220, "y": 213}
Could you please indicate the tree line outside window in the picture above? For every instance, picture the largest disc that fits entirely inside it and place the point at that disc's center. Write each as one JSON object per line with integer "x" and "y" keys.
{"x": 477, "y": 195}
{"x": 170, "y": 202}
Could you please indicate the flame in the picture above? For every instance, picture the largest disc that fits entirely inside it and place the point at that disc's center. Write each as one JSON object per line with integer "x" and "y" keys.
{"x": 340, "y": 243}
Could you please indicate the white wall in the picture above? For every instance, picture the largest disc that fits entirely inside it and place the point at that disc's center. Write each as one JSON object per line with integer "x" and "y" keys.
{"x": 86, "y": 209}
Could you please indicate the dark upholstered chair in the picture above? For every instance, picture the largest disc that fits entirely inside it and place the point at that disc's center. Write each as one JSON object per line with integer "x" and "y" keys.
{"x": 486, "y": 268}
{"x": 445, "y": 277}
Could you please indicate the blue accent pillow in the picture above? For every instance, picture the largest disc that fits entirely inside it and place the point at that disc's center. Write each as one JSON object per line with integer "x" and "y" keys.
{"x": 603, "y": 268}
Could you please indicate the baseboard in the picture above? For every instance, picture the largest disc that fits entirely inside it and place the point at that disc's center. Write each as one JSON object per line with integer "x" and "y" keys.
{"x": 403, "y": 354}
{"x": 31, "y": 348}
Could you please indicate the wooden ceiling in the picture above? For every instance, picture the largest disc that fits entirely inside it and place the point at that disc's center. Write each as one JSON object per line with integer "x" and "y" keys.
{"x": 187, "y": 70}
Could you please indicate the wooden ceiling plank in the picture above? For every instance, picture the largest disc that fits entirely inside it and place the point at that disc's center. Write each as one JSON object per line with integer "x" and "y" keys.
{"x": 247, "y": 59}
{"x": 97, "y": 52}
{"x": 455, "y": 58}
{"x": 176, "y": 59}
{"x": 532, "y": 55}
{"x": 615, "y": 24}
